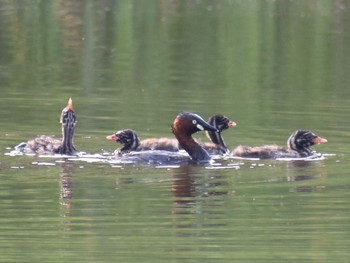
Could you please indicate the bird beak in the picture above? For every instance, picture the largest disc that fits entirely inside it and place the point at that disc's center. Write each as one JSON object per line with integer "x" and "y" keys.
{"x": 112, "y": 137}
{"x": 232, "y": 124}
{"x": 207, "y": 127}
{"x": 70, "y": 104}
{"x": 319, "y": 140}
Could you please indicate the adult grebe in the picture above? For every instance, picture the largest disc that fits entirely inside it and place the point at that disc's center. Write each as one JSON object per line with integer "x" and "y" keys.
{"x": 50, "y": 145}
{"x": 130, "y": 141}
{"x": 298, "y": 146}
{"x": 184, "y": 125}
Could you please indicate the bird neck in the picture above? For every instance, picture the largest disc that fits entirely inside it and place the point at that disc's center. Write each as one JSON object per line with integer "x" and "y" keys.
{"x": 67, "y": 146}
{"x": 303, "y": 151}
{"x": 196, "y": 152}
{"x": 134, "y": 145}
{"x": 216, "y": 138}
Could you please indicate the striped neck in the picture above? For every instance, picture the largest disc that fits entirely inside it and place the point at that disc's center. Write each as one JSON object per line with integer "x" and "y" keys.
{"x": 219, "y": 122}
{"x": 298, "y": 142}
{"x": 216, "y": 138}
{"x": 131, "y": 143}
{"x": 67, "y": 146}
{"x": 68, "y": 121}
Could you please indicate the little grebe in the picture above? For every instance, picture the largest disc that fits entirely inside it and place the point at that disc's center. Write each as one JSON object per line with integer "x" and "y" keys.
{"x": 131, "y": 142}
{"x": 217, "y": 145}
{"x": 49, "y": 145}
{"x": 184, "y": 125}
{"x": 298, "y": 146}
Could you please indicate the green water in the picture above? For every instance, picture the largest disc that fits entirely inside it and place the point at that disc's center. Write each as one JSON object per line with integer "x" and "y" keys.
{"x": 271, "y": 66}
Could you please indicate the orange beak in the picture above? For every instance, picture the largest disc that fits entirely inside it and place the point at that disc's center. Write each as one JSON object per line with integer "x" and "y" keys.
{"x": 70, "y": 104}
{"x": 112, "y": 137}
{"x": 319, "y": 140}
{"x": 232, "y": 124}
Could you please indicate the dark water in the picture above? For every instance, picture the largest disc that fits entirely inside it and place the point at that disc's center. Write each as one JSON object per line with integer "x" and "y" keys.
{"x": 271, "y": 66}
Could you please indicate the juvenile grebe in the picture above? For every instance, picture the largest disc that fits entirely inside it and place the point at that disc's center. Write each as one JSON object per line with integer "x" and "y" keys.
{"x": 50, "y": 145}
{"x": 184, "y": 125}
{"x": 298, "y": 146}
{"x": 130, "y": 141}
{"x": 217, "y": 145}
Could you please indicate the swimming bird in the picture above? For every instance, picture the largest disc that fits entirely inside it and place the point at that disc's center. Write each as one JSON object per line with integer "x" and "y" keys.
{"x": 130, "y": 141}
{"x": 183, "y": 127}
{"x": 298, "y": 146}
{"x": 217, "y": 144}
{"x": 50, "y": 145}
{"x": 186, "y": 124}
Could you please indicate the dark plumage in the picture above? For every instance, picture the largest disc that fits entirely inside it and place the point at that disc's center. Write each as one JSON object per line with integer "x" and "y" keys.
{"x": 217, "y": 144}
{"x": 131, "y": 142}
{"x": 184, "y": 125}
{"x": 50, "y": 145}
{"x": 298, "y": 146}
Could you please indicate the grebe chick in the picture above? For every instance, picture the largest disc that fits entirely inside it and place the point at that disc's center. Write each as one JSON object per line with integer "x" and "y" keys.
{"x": 184, "y": 125}
{"x": 131, "y": 142}
{"x": 298, "y": 146}
{"x": 50, "y": 145}
{"x": 217, "y": 145}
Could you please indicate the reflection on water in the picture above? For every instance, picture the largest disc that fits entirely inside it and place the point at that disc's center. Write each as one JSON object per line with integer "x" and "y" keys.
{"x": 66, "y": 192}
{"x": 195, "y": 194}
{"x": 183, "y": 206}
{"x": 272, "y": 66}
{"x": 304, "y": 171}
{"x": 188, "y": 187}
{"x": 195, "y": 200}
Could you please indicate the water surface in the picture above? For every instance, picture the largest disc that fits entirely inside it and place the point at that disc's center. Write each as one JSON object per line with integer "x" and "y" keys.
{"x": 271, "y": 66}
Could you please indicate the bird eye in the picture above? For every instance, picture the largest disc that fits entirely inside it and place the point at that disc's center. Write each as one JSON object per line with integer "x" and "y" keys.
{"x": 194, "y": 122}
{"x": 309, "y": 136}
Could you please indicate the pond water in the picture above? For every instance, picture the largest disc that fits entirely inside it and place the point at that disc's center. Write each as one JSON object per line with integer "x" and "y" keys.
{"x": 271, "y": 66}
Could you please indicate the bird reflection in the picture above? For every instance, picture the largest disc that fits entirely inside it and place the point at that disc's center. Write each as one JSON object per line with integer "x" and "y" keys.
{"x": 183, "y": 189}
{"x": 303, "y": 171}
{"x": 195, "y": 195}
{"x": 66, "y": 192}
